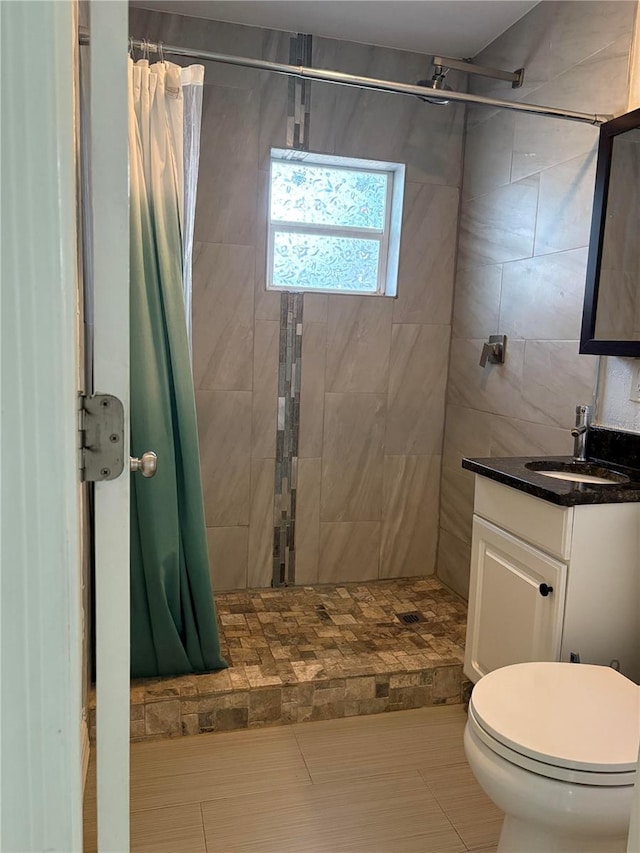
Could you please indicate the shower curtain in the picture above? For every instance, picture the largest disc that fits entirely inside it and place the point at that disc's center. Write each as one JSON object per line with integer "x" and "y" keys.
{"x": 173, "y": 621}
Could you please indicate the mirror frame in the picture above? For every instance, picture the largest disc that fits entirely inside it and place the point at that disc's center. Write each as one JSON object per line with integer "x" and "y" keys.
{"x": 588, "y": 343}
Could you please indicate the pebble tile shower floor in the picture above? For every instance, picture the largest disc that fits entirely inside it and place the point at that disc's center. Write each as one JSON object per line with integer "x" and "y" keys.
{"x": 315, "y": 653}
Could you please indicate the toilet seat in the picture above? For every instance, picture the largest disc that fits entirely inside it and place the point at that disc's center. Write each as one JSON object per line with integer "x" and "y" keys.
{"x": 572, "y": 722}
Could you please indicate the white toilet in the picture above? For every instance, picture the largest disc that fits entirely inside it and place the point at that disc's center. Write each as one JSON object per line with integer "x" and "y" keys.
{"x": 555, "y": 746}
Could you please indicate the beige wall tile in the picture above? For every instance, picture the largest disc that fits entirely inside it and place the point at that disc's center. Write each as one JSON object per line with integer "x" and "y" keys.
{"x": 224, "y": 431}
{"x": 274, "y": 99}
{"x": 228, "y": 173}
{"x": 554, "y": 38}
{"x": 487, "y": 154}
{"x": 264, "y": 412}
{"x": 556, "y": 379}
{"x": 267, "y": 302}
{"x": 274, "y": 95}
{"x": 417, "y": 383}
{"x": 499, "y": 226}
{"x": 411, "y": 490}
{"x": 222, "y": 317}
{"x": 308, "y": 520}
{"x": 358, "y": 340}
{"x": 467, "y": 433}
{"x": 228, "y": 557}
{"x": 316, "y": 308}
{"x": 542, "y": 297}
{"x": 439, "y": 162}
{"x": 564, "y": 209}
{"x": 314, "y": 355}
{"x": 427, "y": 254}
{"x": 352, "y": 460}
{"x": 261, "y": 523}
{"x": 511, "y": 437}
{"x": 530, "y": 37}
{"x": 477, "y": 302}
{"x": 456, "y": 508}
{"x": 371, "y": 124}
{"x": 207, "y": 35}
{"x": 540, "y": 143}
{"x": 349, "y": 551}
{"x": 582, "y": 35}
{"x": 607, "y": 70}
{"x": 385, "y": 127}
{"x": 495, "y": 388}
{"x": 454, "y": 562}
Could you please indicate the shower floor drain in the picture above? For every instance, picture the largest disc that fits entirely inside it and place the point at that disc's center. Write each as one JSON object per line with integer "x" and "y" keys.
{"x": 410, "y": 618}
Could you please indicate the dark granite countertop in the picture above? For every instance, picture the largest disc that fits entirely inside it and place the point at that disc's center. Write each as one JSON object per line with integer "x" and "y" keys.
{"x": 512, "y": 471}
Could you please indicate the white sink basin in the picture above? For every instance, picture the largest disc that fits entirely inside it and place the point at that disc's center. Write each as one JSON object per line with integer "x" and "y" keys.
{"x": 576, "y": 478}
{"x": 577, "y": 472}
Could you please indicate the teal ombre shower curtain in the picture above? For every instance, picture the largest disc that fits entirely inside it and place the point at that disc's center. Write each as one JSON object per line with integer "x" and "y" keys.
{"x": 173, "y": 621}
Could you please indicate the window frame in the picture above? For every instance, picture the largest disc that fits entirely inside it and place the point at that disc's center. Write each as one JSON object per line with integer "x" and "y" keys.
{"x": 388, "y": 239}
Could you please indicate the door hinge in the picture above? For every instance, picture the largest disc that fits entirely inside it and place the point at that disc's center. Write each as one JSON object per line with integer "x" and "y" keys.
{"x": 101, "y": 430}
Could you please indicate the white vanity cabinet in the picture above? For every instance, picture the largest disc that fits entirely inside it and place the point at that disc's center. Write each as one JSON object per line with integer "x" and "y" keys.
{"x": 548, "y": 581}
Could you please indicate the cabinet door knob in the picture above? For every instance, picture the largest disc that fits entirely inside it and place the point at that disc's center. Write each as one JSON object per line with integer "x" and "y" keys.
{"x": 544, "y": 589}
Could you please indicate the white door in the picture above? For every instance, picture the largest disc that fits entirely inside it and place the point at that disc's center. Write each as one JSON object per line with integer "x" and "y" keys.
{"x": 41, "y": 645}
{"x": 109, "y": 192}
{"x": 512, "y": 618}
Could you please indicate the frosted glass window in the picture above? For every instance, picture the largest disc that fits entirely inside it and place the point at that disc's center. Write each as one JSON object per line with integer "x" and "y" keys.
{"x": 321, "y": 195}
{"x": 334, "y": 224}
{"x": 325, "y": 262}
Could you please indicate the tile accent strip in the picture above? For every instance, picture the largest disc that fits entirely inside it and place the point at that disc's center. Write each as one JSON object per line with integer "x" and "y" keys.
{"x": 289, "y": 370}
{"x": 299, "y": 111}
{"x": 290, "y": 354}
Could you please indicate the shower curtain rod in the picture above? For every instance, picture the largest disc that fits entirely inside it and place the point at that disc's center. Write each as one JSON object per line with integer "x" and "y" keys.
{"x": 325, "y": 76}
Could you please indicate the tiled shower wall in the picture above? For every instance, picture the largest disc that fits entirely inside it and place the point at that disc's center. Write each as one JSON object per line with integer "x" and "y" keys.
{"x": 525, "y": 216}
{"x": 374, "y": 370}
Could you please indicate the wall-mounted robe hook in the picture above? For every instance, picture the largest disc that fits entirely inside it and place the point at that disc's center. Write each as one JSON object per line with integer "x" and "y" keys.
{"x": 493, "y": 351}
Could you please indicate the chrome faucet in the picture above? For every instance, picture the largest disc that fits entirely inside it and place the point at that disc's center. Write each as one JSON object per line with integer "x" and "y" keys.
{"x": 580, "y": 432}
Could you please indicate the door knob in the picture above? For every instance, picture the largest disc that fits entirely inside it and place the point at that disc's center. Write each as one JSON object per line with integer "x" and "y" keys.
{"x": 147, "y": 464}
{"x": 544, "y": 589}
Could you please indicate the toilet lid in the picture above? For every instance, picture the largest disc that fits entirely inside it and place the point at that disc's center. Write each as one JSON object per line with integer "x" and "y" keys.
{"x": 577, "y": 716}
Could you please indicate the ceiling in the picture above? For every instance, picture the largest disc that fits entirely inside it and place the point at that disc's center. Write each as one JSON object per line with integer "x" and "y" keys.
{"x": 459, "y": 28}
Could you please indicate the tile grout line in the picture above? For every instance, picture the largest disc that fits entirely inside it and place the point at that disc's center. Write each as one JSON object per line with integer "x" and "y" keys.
{"x": 442, "y": 808}
{"x": 302, "y": 755}
{"x": 204, "y": 831}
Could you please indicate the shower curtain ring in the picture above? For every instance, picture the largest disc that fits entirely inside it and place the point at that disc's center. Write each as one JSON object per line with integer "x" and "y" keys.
{"x": 161, "y": 52}
{"x": 145, "y": 49}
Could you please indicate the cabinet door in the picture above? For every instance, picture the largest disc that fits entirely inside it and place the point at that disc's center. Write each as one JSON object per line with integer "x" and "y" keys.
{"x": 509, "y": 620}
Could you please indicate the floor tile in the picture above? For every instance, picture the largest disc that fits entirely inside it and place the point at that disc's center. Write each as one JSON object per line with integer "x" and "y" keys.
{"x": 368, "y": 746}
{"x": 175, "y": 829}
{"x": 391, "y": 783}
{"x": 207, "y": 767}
{"x": 389, "y": 814}
{"x": 476, "y": 819}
